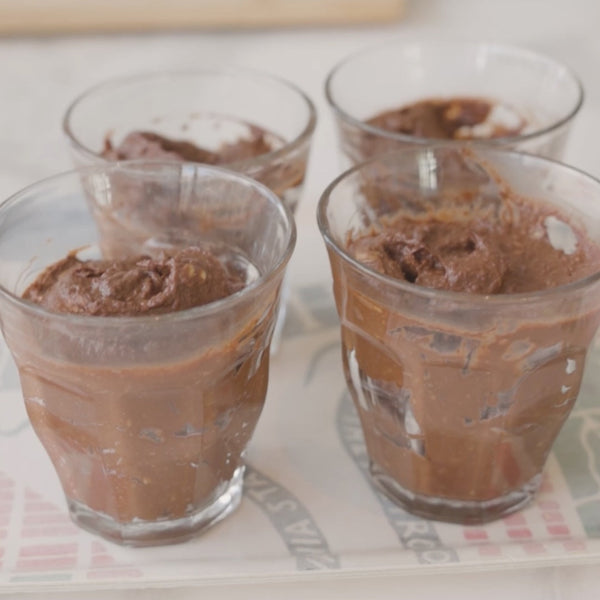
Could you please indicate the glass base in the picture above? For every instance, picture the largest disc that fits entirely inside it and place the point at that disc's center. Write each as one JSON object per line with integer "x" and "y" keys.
{"x": 154, "y": 533}
{"x": 464, "y": 512}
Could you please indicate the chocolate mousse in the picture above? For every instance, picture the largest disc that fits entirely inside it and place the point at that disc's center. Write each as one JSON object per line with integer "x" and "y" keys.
{"x": 140, "y": 285}
{"x": 284, "y": 174}
{"x": 451, "y": 118}
{"x": 151, "y": 145}
{"x": 478, "y": 254}
{"x": 455, "y": 118}
{"x": 148, "y": 425}
{"x": 460, "y": 402}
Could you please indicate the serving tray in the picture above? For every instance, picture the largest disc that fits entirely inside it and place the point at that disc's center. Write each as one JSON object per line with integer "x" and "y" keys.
{"x": 308, "y": 508}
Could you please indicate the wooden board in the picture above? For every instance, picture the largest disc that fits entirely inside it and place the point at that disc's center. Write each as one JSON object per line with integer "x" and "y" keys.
{"x": 49, "y": 16}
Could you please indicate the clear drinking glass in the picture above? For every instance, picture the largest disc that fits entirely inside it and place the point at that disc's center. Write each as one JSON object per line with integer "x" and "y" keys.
{"x": 544, "y": 92}
{"x": 208, "y": 107}
{"x": 145, "y": 418}
{"x": 460, "y": 395}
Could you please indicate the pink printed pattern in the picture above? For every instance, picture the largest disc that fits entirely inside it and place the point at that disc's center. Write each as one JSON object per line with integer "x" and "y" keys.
{"x": 531, "y": 531}
{"x": 42, "y": 540}
{"x": 7, "y": 496}
{"x": 104, "y": 566}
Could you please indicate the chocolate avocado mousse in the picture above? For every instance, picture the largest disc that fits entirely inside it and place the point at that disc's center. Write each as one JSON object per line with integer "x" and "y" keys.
{"x": 477, "y": 409}
{"x": 151, "y": 145}
{"x": 146, "y": 442}
{"x": 456, "y": 250}
{"x": 140, "y": 285}
{"x": 468, "y": 289}
{"x": 458, "y": 118}
{"x": 144, "y": 368}
{"x": 284, "y": 178}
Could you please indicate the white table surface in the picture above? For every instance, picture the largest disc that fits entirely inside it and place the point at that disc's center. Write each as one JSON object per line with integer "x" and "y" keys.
{"x": 40, "y": 76}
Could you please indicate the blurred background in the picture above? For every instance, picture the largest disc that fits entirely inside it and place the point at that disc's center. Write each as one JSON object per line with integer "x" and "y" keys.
{"x": 40, "y": 16}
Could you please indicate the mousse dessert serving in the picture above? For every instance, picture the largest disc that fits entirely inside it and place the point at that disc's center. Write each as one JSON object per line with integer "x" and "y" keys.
{"x": 150, "y": 145}
{"x": 152, "y": 442}
{"x": 467, "y": 308}
{"x": 244, "y": 120}
{"x": 144, "y": 373}
{"x": 186, "y": 278}
{"x": 253, "y": 143}
{"x": 404, "y": 93}
{"x": 454, "y": 118}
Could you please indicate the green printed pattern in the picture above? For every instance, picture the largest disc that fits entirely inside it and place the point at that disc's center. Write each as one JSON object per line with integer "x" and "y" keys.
{"x": 577, "y": 449}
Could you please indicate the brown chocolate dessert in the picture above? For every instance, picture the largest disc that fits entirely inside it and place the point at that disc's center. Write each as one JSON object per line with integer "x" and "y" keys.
{"x": 477, "y": 253}
{"x": 462, "y": 402}
{"x": 449, "y": 118}
{"x": 141, "y": 285}
{"x": 150, "y": 145}
{"x": 147, "y": 439}
{"x": 455, "y": 118}
{"x": 283, "y": 174}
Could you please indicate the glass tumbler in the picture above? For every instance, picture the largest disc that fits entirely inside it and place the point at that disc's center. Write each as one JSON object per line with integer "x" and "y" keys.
{"x": 543, "y": 93}
{"x": 460, "y": 395}
{"x": 213, "y": 108}
{"x": 145, "y": 418}
{"x": 208, "y": 107}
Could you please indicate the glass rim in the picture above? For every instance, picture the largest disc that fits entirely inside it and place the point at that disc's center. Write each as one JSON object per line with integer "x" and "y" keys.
{"x": 427, "y": 293}
{"x": 231, "y": 71}
{"x": 412, "y": 139}
{"x": 192, "y": 313}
